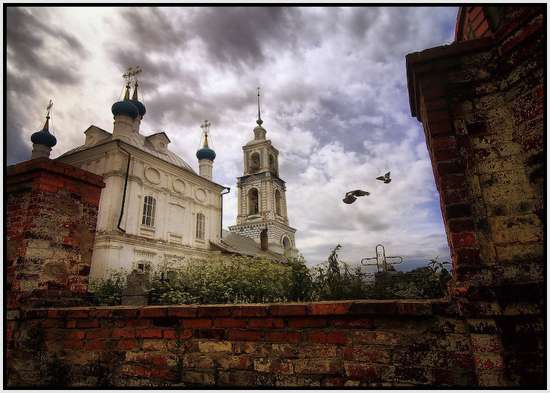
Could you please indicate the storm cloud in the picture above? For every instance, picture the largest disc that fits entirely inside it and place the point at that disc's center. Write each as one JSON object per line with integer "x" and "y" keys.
{"x": 334, "y": 102}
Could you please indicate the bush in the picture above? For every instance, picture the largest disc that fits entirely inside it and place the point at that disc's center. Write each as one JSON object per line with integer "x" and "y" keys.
{"x": 226, "y": 280}
{"x": 108, "y": 291}
{"x": 251, "y": 280}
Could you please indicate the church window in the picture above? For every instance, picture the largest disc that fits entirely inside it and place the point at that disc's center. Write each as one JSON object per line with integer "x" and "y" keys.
{"x": 286, "y": 243}
{"x": 278, "y": 202}
{"x": 254, "y": 162}
{"x": 149, "y": 205}
{"x": 199, "y": 234}
{"x": 272, "y": 164}
{"x": 253, "y": 202}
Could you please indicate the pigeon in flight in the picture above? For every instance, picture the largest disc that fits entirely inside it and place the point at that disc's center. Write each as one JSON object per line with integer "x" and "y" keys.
{"x": 386, "y": 178}
{"x": 351, "y": 196}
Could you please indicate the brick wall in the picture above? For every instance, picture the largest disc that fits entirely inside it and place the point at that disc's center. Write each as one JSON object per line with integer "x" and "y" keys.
{"x": 51, "y": 214}
{"x": 481, "y": 102}
{"x": 352, "y": 343}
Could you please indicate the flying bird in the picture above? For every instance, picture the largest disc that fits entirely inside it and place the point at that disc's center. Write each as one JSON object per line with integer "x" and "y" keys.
{"x": 351, "y": 196}
{"x": 386, "y": 178}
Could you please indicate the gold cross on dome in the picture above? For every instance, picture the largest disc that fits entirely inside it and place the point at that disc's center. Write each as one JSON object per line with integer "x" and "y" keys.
{"x": 205, "y": 126}
{"x": 131, "y": 74}
{"x": 49, "y": 107}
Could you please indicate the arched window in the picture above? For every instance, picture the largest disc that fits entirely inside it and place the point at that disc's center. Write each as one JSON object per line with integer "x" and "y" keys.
{"x": 199, "y": 233}
{"x": 253, "y": 202}
{"x": 272, "y": 164}
{"x": 255, "y": 162}
{"x": 149, "y": 205}
{"x": 278, "y": 202}
{"x": 286, "y": 243}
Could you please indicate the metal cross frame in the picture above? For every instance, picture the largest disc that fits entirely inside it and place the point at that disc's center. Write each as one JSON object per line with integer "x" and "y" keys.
{"x": 382, "y": 261}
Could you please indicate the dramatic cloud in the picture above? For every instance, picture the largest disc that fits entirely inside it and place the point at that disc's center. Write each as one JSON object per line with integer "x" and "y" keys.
{"x": 335, "y": 103}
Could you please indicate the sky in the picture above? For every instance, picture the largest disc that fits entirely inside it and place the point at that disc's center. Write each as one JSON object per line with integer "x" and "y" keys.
{"x": 334, "y": 103}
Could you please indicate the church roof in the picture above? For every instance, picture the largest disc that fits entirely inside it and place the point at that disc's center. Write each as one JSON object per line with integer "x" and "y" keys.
{"x": 238, "y": 244}
{"x": 140, "y": 142}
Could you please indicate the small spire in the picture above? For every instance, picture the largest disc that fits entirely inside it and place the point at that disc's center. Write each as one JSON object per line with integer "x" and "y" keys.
{"x": 259, "y": 121}
{"x": 205, "y": 130}
{"x": 127, "y": 92}
{"x": 48, "y": 110}
{"x": 135, "y": 95}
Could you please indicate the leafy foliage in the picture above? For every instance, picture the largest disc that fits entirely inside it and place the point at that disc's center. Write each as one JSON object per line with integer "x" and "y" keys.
{"x": 247, "y": 280}
{"x": 108, "y": 291}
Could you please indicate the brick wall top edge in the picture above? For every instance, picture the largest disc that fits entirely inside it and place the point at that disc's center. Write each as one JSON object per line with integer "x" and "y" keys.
{"x": 353, "y": 307}
{"x": 445, "y": 51}
{"x": 48, "y": 165}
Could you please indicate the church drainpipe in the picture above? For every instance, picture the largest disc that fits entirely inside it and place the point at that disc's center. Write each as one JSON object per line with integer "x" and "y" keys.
{"x": 226, "y": 190}
{"x": 125, "y": 187}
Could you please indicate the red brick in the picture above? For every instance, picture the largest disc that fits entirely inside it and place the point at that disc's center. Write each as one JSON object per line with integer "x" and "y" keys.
{"x": 300, "y": 323}
{"x": 249, "y": 311}
{"x": 136, "y": 371}
{"x": 152, "y": 312}
{"x": 214, "y": 311}
{"x": 333, "y": 337}
{"x": 123, "y": 332}
{"x": 283, "y": 337}
{"x": 100, "y": 313}
{"x": 76, "y": 314}
{"x": 183, "y": 312}
{"x": 196, "y": 323}
{"x": 135, "y": 323}
{"x": 266, "y": 323}
{"x": 288, "y": 310}
{"x": 244, "y": 335}
{"x": 362, "y": 371}
{"x": 169, "y": 334}
{"x": 463, "y": 239}
{"x": 149, "y": 333}
{"x": 70, "y": 324}
{"x": 361, "y": 323}
{"x": 443, "y": 143}
{"x": 229, "y": 323}
{"x": 94, "y": 345}
{"x": 75, "y": 335}
{"x": 100, "y": 333}
{"x": 328, "y": 308}
{"x": 127, "y": 344}
{"x": 87, "y": 323}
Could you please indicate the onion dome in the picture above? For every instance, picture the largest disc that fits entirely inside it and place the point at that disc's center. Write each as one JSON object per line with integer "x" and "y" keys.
{"x": 43, "y": 137}
{"x": 206, "y": 153}
{"x": 139, "y": 105}
{"x": 125, "y": 107}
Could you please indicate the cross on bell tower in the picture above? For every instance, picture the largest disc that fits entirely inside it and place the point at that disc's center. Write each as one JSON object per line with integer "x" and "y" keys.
{"x": 262, "y": 210}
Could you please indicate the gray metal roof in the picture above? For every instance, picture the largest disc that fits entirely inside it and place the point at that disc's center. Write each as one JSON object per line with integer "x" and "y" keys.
{"x": 239, "y": 244}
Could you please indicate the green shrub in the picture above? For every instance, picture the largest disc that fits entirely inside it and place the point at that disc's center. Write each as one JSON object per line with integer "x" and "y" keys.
{"x": 108, "y": 291}
{"x": 225, "y": 280}
{"x": 240, "y": 279}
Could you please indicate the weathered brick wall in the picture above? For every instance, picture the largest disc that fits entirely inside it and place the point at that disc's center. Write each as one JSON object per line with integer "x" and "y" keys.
{"x": 51, "y": 214}
{"x": 481, "y": 102}
{"x": 352, "y": 343}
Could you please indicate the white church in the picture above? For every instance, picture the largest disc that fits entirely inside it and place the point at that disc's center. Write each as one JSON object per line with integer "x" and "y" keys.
{"x": 157, "y": 212}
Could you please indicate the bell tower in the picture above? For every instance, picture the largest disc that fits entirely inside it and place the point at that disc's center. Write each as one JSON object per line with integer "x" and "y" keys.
{"x": 262, "y": 212}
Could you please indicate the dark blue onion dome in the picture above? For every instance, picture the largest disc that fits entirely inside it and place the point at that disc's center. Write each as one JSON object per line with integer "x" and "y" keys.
{"x": 125, "y": 107}
{"x": 206, "y": 153}
{"x": 139, "y": 105}
{"x": 43, "y": 137}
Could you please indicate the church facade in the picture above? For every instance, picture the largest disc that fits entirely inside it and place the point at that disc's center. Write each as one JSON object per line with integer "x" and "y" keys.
{"x": 156, "y": 212}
